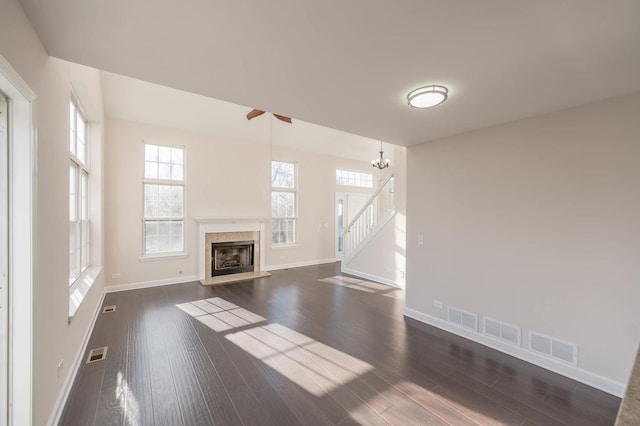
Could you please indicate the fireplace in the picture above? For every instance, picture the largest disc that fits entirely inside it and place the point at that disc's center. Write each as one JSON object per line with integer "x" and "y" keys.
{"x": 231, "y": 257}
{"x": 224, "y": 231}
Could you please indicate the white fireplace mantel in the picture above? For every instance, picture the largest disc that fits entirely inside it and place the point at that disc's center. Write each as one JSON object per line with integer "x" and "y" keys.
{"x": 210, "y": 225}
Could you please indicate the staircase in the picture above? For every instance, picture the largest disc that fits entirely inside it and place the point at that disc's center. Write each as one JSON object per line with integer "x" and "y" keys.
{"x": 377, "y": 211}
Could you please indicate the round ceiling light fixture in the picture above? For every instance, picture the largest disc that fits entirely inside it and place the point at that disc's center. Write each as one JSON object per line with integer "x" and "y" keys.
{"x": 427, "y": 96}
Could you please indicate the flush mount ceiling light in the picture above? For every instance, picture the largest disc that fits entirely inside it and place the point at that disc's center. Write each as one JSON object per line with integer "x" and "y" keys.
{"x": 427, "y": 96}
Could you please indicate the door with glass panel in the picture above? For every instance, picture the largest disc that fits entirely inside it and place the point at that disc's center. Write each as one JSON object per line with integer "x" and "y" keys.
{"x": 4, "y": 255}
{"x": 347, "y": 207}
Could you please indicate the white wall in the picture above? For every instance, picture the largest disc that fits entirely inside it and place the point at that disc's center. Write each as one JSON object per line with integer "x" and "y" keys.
{"x": 224, "y": 178}
{"x": 384, "y": 257}
{"x": 54, "y": 338}
{"x": 535, "y": 223}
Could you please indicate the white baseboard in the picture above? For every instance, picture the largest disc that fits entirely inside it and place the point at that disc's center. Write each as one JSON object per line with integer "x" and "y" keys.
{"x": 371, "y": 277}
{"x": 58, "y": 407}
{"x": 300, "y": 264}
{"x": 583, "y": 376}
{"x": 146, "y": 284}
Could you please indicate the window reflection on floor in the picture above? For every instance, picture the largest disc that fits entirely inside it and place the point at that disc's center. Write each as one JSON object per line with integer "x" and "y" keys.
{"x": 220, "y": 315}
{"x": 363, "y": 285}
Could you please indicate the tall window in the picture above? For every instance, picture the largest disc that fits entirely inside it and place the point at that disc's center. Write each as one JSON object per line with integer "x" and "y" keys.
{"x": 78, "y": 194}
{"x": 283, "y": 202}
{"x": 351, "y": 178}
{"x": 163, "y": 199}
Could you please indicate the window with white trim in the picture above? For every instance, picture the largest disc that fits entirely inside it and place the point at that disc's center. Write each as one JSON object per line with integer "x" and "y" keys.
{"x": 78, "y": 194}
{"x": 163, "y": 199}
{"x": 351, "y": 178}
{"x": 283, "y": 202}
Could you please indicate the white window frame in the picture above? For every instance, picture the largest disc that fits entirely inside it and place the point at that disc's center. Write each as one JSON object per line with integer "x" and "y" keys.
{"x": 356, "y": 178}
{"x": 80, "y": 224}
{"x": 294, "y": 218}
{"x": 159, "y": 255}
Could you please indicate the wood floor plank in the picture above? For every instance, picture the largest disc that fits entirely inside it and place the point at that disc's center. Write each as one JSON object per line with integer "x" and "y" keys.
{"x": 249, "y": 409}
{"x": 82, "y": 404}
{"x": 405, "y": 414}
{"x": 427, "y": 399}
{"x": 259, "y": 402}
{"x": 182, "y": 346}
{"x": 554, "y": 407}
{"x": 504, "y": 400}
{"x": 220, "y": 406}
{"x": 306, "y": 346}
{"x": 304, "y": 408}
{"x": 164, "y": 397}
{"x": 112, "y": 400}
{"x": 480, "y": 410}
{"x": 274, "y": 407}
{"x": 137, "y": 384}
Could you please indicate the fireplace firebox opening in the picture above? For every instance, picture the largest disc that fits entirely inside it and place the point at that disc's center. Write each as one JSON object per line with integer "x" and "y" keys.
{"x": 231, "y": 257}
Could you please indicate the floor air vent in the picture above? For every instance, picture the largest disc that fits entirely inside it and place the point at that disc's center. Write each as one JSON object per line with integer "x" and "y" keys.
{"x": 462, "y": 318}
{"x": 97, "y": 354}
{"x": 503, "y": 331}
{"x": 553, "y": 348}
{"x": 108, "y": 309}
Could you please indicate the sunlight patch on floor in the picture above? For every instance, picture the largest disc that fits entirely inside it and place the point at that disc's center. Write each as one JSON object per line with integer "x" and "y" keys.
{"x": 312, "y": 365}
{"x": 127, "y": 401}
{"x": 444, "y": 401}
{"x": 356, "y": 284}
{"x": 321, "y": 369}
{"x": 219, "y": 314}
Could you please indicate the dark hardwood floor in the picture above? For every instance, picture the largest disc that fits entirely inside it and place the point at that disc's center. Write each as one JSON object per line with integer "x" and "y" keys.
{"x": 306, "y": 346}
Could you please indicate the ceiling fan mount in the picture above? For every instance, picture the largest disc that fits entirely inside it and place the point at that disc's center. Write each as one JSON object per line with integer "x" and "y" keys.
{"x": 258, "y": 112}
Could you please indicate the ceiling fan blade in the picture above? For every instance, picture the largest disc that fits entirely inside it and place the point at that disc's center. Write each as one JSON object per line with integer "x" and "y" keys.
{"x": 254, "y": 113}
{"x": 282, "y": 118}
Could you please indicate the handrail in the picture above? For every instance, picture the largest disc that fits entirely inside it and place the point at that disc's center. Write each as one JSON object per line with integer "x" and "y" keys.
{"x": 367, "y": 204}
{"x": 378, "y": 209}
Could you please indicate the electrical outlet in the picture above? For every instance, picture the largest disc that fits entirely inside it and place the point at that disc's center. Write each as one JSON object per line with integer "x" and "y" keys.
{"x": 116, "y": 275}
{"x": 401, "y": 274}
{"x": 420, "y": 240}
{"x": 60, "y": 366}
{"x": 437, "y": 304}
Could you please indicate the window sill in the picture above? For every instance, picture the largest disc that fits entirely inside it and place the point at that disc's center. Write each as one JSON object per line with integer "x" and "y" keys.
{"x": 163, "y": 256}
{"x": 284, "y": 246}
{"x": 80, "y": 288}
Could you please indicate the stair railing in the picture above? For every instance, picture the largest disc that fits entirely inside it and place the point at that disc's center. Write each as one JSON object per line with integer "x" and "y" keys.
{"x": 376, "y": 210}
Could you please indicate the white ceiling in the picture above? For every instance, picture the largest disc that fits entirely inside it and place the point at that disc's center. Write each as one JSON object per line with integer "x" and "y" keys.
{"x": 349, "y": 64}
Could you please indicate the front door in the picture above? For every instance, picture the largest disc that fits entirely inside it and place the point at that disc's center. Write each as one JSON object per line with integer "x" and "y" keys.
{"x": 347, "y": 207}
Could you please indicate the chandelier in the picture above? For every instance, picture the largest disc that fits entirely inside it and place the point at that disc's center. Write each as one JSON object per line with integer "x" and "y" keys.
{"x": 381, "y": 162}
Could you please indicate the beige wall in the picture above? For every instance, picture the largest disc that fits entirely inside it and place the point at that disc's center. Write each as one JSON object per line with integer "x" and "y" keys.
{"x": 224, "y": 178}
{"x": 316, "y": 232}
{"x": 54, "y": 338}
{"x": 535, "y": 223}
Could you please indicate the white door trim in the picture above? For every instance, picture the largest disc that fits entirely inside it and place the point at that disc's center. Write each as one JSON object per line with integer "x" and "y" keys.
{"x": 338, "y": 196}
{"x": 22, "y": 179}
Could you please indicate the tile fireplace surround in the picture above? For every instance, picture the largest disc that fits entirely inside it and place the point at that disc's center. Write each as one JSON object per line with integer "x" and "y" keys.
{"x": 227, "y": 230}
